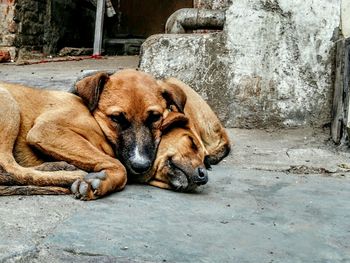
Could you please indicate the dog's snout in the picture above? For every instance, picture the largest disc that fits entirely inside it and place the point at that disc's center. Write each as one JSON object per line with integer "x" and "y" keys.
{"x": 141, "y": 166}
{"x": 202, "y": 172}
{"x": 202, "y": 176}
{"x": 139, "y": 162}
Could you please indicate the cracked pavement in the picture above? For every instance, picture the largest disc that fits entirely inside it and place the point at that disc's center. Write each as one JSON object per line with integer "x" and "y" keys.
{"x": 280, "y": 196}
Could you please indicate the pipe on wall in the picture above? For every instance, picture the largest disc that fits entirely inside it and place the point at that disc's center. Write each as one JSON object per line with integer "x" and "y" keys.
{"x": 194, "y": 18}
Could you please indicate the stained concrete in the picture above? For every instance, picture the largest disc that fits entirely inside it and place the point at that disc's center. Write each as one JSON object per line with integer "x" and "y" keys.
{"x": 280, "y": 196}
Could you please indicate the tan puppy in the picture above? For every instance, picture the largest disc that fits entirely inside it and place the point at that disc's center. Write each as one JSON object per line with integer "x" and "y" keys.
{"x": 122, "y": 119}
{"x": 203, "y": 122}
{"x": 180, "y": 162}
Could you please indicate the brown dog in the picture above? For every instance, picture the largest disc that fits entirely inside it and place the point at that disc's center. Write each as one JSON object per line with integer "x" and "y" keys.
{"x": 179, "y": 165}
{"x": 122, "y": 119}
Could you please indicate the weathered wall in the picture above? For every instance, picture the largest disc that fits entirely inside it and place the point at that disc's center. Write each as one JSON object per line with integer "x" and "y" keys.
{"x": 68, "y": 23}
{"x": 212, "y": 4}
{"x": 345, "y": 18}
{"x": 30, "y": 18}
{"x": 8, "y": 27}
{"x": 44, "y": 26}
{"x": 272, "y": 65}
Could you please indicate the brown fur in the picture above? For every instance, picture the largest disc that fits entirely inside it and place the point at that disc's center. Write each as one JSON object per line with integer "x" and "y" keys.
{"x": 181, "y": 153}
{"x": 42, "y": 125}
{"x": 199, "y": 123}
{"x": 33, "y": 190}
{"x": 204, "y": 122}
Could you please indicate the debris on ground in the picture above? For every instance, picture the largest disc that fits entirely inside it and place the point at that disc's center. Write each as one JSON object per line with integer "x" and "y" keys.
{"x": 55, "y": 59}
{"x": 345, "y": 166}
{"x": 5, "y": 56}
{"x": 74, "y": 51}
{"x": 303, "y": 169}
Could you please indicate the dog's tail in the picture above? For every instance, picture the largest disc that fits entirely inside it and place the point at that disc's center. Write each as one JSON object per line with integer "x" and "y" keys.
{"x": 32, "y": 190}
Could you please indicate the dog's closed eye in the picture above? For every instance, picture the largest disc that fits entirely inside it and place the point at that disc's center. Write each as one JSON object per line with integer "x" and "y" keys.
{"x": 120, "y": 120}
{"x": 153, "y": 117}
{"x": 193, "y": 144}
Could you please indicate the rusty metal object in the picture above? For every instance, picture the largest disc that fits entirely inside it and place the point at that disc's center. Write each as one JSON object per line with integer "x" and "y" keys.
{"x": 193, "y": 18}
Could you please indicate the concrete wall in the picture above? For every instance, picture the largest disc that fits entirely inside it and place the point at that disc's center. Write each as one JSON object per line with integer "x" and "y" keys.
{"x": 272, "y": 65}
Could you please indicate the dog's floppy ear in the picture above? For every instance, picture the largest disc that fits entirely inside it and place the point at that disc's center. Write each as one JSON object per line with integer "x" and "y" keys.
{"x": 176, "y": 119}
{"x": 90, "y": 88}
{"x": 173, "y": 95}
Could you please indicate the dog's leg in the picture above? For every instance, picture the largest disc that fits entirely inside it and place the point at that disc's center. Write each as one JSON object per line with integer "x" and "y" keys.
{"x": 33, "y": 190}
{"x": 18, "y": 175}
{"x": 77, "y": 146}
{"x": 11, "y": 172}
{"x": 55, "y": 166}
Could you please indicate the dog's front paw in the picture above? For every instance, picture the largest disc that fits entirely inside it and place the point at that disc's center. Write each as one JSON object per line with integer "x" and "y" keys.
{"x": 91, "y": 187}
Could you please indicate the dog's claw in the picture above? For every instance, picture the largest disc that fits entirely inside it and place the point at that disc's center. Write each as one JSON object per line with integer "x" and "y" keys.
{"x": 95, "y": 183}
{"x": 83, "y": 188}
{"x": 75, "y": 186}
{"x": 88, "y": 188}
{"x": 99, "y": 175}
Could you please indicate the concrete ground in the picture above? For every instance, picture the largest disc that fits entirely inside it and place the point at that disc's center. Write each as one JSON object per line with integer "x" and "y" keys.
{"x": 281, "y": 196}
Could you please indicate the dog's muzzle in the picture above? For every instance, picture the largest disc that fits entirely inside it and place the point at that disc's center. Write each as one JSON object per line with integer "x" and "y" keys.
{"x": 184, "y": 179}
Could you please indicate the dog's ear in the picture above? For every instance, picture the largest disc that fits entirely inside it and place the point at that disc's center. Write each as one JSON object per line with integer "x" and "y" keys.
{"x": 90, "y": 88}
{"x": 176, "y": 119}
{"x": 173, "y": 95}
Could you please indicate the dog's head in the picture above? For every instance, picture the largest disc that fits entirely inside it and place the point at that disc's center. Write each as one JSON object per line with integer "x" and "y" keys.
{"x": 181, "y": 159}
{"x": 130, "y": 107}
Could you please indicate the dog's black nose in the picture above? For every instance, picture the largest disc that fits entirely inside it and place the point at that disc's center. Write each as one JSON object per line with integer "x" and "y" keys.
{"x": 141, "y": 166}
{"x": 202, "y": 176}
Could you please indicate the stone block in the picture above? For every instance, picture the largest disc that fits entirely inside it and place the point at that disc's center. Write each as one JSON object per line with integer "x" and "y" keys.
{"x": 271, "y": 66}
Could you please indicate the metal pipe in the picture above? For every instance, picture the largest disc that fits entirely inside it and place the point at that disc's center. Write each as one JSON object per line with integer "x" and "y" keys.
{"x": 194, "y": 18}
{"x": 100, "y": 11}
